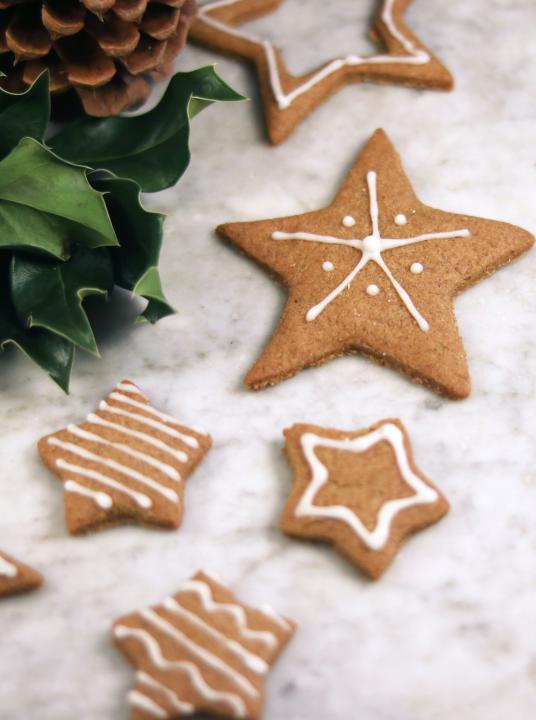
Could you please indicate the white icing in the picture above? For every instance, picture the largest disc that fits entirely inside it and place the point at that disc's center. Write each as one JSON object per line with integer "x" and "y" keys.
{"x": 118, "y": 467}
{"x": 215, "y": 662}
{"x": 7, "y": 569}
{"x": 401, "y": 219}
{"x": 328, "y": 266}
{"x": 201, "y": 686}
{"x": 142, "y": 500}
{"x": 131, "y": 388}
{"x": 181, "y": 706}
{"x": 204, "y": 593}
{"x": 413, "y": 56}
{"x": 166, "y": 429}
{"x": 186, "y": 439}
{"x": 276, "y": 617}
{"x": 416, "y": 268}
{"x": 138, "y": 700}
{"x": 373, "y": 290}
{"x": 371, "y": 248}
{"x": 168, "y": 470}
{"x": 103, "y": 500}
{"x": 378, "y": 537}
{"x": 254, "y": 663}
{"x": 150, "y": 439}
{"x": 348, "y": 221}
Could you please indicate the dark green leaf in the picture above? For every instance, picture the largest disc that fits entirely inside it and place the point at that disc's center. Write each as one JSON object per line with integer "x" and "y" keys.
{"x": 140, "y": 237}
{"x": 24, "y": 115}
{"x": 150, "y": 287}
{"x": 152, "y": 148}
{"x": 49, "y": 294}
{"x": 46, "y": 204}
{"x": 51, "y": 352}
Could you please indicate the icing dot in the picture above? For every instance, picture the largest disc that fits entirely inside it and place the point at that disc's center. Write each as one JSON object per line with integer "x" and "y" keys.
{"x": 373, "y": 290}
{"x": 328, "y": 266}
{"x": 416, "y": 268}
{"x": 401, "y": 219}
{"x": 348, "y": 221}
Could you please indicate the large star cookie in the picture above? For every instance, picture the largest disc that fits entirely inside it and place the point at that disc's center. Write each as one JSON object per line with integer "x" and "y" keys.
{"x": 360, "y": 491}
{"x": 402, "y": 59}
{"x": 16, "y": 578}
{"x": 127, "y": 462}
{"x": 201, "y": 651}
{"x": 375, "y": 272}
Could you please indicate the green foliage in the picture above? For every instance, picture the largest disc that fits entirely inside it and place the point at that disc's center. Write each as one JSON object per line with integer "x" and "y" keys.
{"x": 151, "y": 149}
{"x": 71, "y": 219}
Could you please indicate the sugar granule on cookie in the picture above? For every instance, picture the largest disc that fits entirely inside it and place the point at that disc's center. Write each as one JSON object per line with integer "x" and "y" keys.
{"x": 127, "y": 463}
{"x": 375, "y": 273}
{"x": 201, "y": 651}
{"x": 16, "y": 578}
{"x": 360, "y": 491}
{"x": 402, "y": 60}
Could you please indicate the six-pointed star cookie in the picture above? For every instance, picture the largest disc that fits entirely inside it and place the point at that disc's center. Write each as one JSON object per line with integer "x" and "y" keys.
{"x": 16, "y": 578}
{"x": 201, "y": 651}
{"x": 287, "y": 99}
{"x": 360, "y": 491}
{"x": 127, "y": 462}
{"x": 376, "y": 273}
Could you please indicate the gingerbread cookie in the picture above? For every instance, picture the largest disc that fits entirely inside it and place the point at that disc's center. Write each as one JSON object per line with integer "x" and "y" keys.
{"x": 359, "y": 490}
{"x": 15, "y": 577}
{"x": 402, "y": 59}
{"x": 201, "y": 651}
{"x": 375, "y": 273}
{"x": 127, "y": 462}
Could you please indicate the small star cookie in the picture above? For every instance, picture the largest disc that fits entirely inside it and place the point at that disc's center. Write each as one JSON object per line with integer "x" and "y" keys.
{"x": 127, "y": 462}
{"x": 16, "y": 578}
{"x": 375, "y": 273}
{"x": 201, "y": 651}
{"x": 359, "y": 490}
{"x": 402, "y": 60}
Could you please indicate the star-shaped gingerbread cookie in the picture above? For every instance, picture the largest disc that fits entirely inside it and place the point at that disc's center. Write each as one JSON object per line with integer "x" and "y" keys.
{"x": 201, "y": 651}
{"x": 127, "y": 463}
{"x": 402, "y": 59}
{"x": 375, "y": 273}
{"x": 16, "y": 578}
{"x": 360, "y": 491}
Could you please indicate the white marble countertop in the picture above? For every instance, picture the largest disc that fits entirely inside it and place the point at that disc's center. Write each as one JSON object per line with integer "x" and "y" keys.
{"x": 450, "y": 630}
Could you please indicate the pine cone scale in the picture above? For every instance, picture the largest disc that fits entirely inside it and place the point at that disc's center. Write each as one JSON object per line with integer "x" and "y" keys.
{"x": 60, "y": 18}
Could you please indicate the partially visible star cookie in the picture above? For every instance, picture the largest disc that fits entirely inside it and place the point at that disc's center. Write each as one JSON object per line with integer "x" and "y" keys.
{"x": 360, "y": 491}
{"x": 201, "y": 651}
{"x": 128, "y": 462}
{"x": 15, "y": 577}
{"x": 402, "y": 59}
{"x": 376, "y": 273}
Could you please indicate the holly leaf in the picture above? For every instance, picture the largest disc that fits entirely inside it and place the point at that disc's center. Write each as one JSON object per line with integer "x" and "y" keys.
{"x": 150, "y": 287}
{"x": 152, "y": 148}
{"x": 50, "y": 294}
{"x": 24, "y": 114}
{"x": 46, "y": 204}
{"x": 140, "y": 238}
{"x": 47, "y": 350}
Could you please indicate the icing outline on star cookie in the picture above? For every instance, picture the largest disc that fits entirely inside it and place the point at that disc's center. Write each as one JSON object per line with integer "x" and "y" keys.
{"x": 371, "y": 248}
{"x": 414, "y": 55}
{"x": 377, "y": 538}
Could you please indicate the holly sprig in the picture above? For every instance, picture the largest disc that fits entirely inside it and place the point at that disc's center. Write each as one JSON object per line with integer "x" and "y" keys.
{"x": 72, "y": 223}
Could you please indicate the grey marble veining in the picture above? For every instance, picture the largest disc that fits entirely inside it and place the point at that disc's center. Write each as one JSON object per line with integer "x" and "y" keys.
{"x": 450, "y": 631}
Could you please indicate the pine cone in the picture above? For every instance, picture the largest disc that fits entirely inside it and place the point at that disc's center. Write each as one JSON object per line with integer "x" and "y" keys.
{"x": 105, "y": 50}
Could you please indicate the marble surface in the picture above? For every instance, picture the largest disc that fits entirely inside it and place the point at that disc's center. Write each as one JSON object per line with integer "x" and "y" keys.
{"x": 450, "y": 631}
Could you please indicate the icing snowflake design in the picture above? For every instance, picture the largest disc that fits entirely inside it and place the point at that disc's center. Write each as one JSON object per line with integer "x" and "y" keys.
{"x": 377, "y": 538}
{"x": 371, "y": 248}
